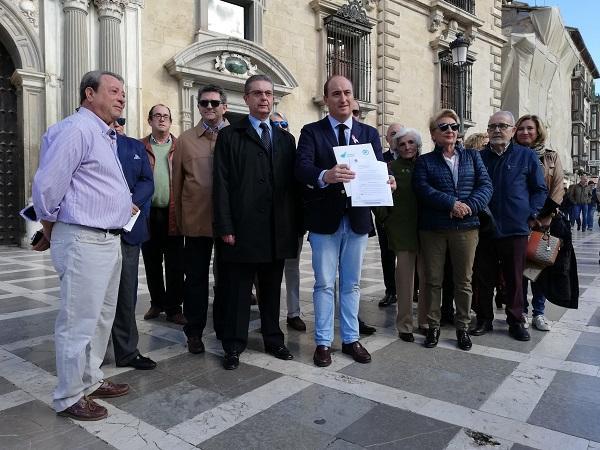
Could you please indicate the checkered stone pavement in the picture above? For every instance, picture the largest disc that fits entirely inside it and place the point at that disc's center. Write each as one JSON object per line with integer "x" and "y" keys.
{"x": 503, "y": 394}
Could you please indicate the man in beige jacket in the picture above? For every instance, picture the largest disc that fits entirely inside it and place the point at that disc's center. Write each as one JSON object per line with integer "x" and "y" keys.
{"x": 192, "y": 187}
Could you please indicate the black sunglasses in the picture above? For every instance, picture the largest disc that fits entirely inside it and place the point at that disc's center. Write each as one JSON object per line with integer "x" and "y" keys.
{"x": 213, "y": 103}
{"x": 121, "y": 121}
{"x": 444, "y": 126}
{"x": 280, "y": 123}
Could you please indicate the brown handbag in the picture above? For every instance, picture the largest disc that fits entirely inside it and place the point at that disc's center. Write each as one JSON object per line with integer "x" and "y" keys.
{"x": 542, "y": 248}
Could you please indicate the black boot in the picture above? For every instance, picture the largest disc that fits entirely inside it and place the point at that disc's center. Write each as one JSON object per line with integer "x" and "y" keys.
{"x": 432, "y": 337}
{"x": 482, "y": 327}
{"x": 464, "y": 341}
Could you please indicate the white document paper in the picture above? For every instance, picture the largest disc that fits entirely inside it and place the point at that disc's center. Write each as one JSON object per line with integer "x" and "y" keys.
{"x": 127, "y": 228}
{"x": 351, "y": 154}
{"x": 370, "y": 187}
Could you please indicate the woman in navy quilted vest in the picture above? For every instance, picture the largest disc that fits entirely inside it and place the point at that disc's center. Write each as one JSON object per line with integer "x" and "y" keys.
{"x": 452, "y": 186}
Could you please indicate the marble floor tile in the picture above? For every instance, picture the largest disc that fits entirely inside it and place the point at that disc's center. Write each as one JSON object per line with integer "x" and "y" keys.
{"x": 12, "y": 304}
{"x": 595, "y": 319}
{"x": 18, "y": 329}
{"x": 392, "y": 428}
{"x": 6, "y": 386}
{"x": 571, "y": 404}
{"x": 42, "y": 355}
{"x": 586, "y": 350}
{"x": 20, "y": 274}
{"x": 323, "y": 409}
{"x": 452, "y": 376}
{"x": 42, "y": 283}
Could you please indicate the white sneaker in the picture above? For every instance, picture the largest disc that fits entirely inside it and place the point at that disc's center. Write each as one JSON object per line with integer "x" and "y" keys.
{"x": 540, "y": 323}
{"x": 525, "y": 321}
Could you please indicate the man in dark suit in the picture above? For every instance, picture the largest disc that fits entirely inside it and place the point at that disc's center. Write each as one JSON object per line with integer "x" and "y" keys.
{"x": 338, "y": 232}
{"x": 255, "y": 205}
{"x": 138, "y": 173}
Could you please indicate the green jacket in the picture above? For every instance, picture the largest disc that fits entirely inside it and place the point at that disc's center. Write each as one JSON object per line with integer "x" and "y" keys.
{"x": 400, "y": 221}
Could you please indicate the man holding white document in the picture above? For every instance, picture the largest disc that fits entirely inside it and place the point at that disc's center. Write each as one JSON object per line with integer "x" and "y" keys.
{"x": 338, "y": 228}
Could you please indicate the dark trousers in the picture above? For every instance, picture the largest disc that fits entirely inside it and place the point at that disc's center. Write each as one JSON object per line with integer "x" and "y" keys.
{"x": 166, "y": 296}
{"x": 508, "y": 255}
{"x": 197, "y": 253}
{"x": 448, "y": 289}
{"x": 235, "y": 281}
{"x": 388, "y": 261}
{"x": 124, "y": 330}
{"x": 218, "y": 302}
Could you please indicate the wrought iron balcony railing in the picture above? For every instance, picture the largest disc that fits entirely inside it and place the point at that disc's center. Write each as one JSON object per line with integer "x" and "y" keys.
{"x": 466, "y": 5}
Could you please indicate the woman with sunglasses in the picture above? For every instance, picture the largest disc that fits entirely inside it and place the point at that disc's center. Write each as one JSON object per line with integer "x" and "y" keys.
{"x": 531, "y": 133}
{"x": 452, "y": 186}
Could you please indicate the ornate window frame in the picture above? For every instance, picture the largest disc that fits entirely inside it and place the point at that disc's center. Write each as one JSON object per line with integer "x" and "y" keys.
{"x": 324, "y": 9}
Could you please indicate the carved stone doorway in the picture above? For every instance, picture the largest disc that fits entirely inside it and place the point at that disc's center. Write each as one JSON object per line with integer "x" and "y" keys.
{"x": 11, "y": 161}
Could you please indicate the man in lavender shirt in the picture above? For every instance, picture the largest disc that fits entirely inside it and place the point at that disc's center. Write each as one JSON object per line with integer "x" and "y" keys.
{"x": 81, "y": 196}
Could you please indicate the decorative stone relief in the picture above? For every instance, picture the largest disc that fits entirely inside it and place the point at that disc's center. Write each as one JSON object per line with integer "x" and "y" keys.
{"x": 29, "y": 10}
{"x": 76, "y": 4}
{"x": 111, "y": 8}
{"x": 354, "y": 12}
{"x": 436, "y": 20}
{"x": 368, "y": 4}
{"x": 235, "y": 64}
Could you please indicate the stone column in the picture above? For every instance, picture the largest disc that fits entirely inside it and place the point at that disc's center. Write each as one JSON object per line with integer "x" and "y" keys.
{"x": 75, "y": 51}
{"x": 110, "y": 15}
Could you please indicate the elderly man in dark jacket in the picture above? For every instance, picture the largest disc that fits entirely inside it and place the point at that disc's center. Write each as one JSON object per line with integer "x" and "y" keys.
{"x": 452, "y": 187}
{"x": 255, "y": 201}
{"x": 519, "y": 194}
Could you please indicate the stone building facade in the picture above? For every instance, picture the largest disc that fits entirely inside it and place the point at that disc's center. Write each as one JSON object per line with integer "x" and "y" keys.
{"x": 396, "y": 52}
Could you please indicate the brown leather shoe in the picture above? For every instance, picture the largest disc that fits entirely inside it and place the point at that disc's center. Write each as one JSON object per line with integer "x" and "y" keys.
{"x": 357, "y": 351}
{"x": 153, "y": 313}
{"x": 296, "y": 323}
{"x": 177, "y": 318}
{"x": 85, "y": 409}
{"x": 108, "y": 389}
{"x": 322, "y": 356}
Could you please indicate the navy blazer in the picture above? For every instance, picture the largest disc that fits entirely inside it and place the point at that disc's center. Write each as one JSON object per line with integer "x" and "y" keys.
{"x": 325, "y": 207}
{"x": 138, "y": 173}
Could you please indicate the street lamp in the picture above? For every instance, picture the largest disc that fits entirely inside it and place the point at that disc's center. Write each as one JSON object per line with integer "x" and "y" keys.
{"x": 459, "y": 48}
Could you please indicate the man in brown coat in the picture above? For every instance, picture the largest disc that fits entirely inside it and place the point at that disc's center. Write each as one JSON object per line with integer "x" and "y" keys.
{"x": 192, "y": 188}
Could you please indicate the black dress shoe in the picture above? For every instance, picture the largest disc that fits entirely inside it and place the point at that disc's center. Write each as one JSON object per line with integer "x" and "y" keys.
{"x": 296, "y": 323}
{"x": 464, "y": 341}
{"x": 357, "y": 351}
{"x": 231, "y": 361}
{"x": 322, "y": 356}
{"x": 195, "y": 344}
{"x": 481, "y": 328}
{"x": 388, "y": 300}
{"x": 407, "y": 337}
{"x": 519, "y": 332}
{"x": 280, "y": 352}
{"x": 140, "y": 363}
{"x": 432, "y": 337}
{"x": 363, "y": 328}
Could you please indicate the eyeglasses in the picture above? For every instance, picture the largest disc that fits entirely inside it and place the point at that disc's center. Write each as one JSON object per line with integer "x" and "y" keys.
{"x": 260, "y": 93}
{"x": 280, "y": 123}
{"x": 499, "y": 126}
{"x": 445, "y": 126}
{"x": 158, "y": 116}
{"x": 205, "y": 103}
{"x": 356, "y": 112}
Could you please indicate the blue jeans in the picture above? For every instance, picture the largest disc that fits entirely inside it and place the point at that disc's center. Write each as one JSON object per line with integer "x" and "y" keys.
{"x": 344, "y": 249}
{"x": 576, "y": 212}
{"x": 538, "y": 301}
{"x": 589, "y": 215}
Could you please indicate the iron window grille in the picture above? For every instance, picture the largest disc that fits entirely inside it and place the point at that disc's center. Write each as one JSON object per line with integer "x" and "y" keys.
{"x": 349, "y": 53}
{"x": 450, "y": 86}
{"x": 465, "y": 5}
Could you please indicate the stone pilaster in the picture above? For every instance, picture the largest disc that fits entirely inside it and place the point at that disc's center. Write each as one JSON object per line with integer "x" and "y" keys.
{"x": 75, "y": 51}
{"x": 110, "y": 15}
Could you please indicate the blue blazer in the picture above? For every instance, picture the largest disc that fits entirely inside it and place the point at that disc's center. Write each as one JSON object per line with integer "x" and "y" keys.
{"x": 325, "y": 207}
{"x": 138, "y": 173}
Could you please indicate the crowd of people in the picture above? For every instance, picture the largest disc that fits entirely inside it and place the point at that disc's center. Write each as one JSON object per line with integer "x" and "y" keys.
{"x": 246, "y": 192}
